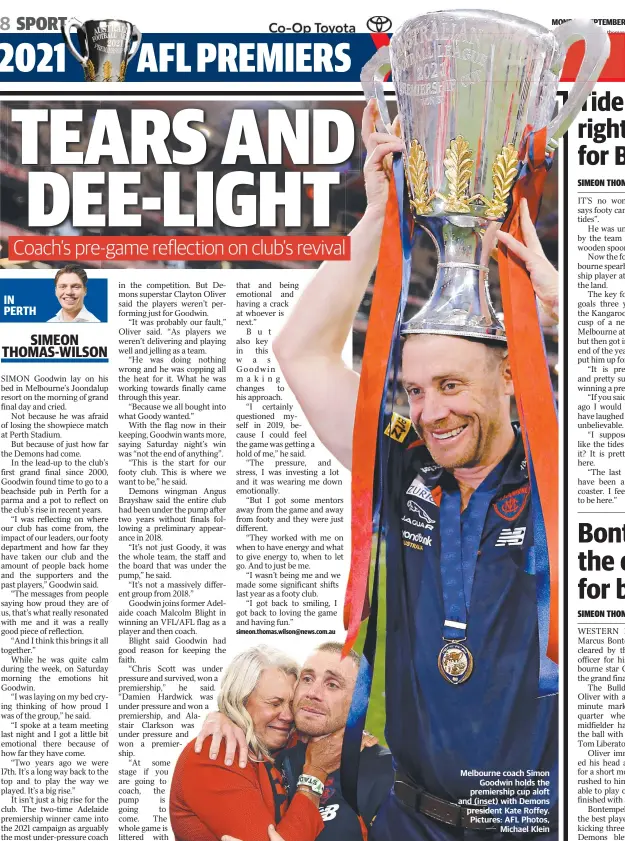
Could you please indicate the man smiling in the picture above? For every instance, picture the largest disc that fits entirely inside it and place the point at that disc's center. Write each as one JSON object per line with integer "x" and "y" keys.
{"x": 459, "y": 396}
{"x": 70, "y": 288}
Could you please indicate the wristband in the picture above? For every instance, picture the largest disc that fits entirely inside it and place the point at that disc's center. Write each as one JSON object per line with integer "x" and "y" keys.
{"x": 314, "y": 784}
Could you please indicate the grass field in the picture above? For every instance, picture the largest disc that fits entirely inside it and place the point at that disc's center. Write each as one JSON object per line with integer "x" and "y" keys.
{"x": 376, "y": 717}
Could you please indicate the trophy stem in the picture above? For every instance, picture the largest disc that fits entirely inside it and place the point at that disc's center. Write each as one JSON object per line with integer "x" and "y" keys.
{"x": 460, "y": 302}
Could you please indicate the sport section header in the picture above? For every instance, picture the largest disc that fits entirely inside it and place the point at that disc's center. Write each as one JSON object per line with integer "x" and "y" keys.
{"x": 263, "y": 57}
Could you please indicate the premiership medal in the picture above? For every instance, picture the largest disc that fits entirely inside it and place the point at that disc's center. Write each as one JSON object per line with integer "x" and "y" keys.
{"x": 455, "y": 662}
{"x": 459, "y": 554}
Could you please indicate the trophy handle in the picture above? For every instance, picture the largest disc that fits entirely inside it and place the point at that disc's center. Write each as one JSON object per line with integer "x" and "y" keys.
{"x": 135, "y": 39}
{"x": 70, "y": 24}
{"x": 372, "y": 81}
{"x": 597, "y": 50}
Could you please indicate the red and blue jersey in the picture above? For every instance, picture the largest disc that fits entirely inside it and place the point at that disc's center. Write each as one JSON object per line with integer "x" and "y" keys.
{"x": 341, "y": 823}
{"x": 440, "y": 733}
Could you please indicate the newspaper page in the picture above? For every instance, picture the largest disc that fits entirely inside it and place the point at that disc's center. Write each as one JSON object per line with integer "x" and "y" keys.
{"x": 201, "y": 248}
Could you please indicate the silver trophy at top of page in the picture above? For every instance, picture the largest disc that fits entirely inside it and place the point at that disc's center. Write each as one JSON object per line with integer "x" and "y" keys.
{"x": 469, "y": 84}
{"x": 106, "y": 47}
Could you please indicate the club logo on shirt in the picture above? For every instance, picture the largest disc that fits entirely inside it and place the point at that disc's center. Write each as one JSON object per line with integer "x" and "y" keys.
{"x": 511, "y": 537}
{"x": 512, "y": 504}
{"x": 328, "y": 810}
{"x": 328, "y": 791}
{"x": 418, "y": 489}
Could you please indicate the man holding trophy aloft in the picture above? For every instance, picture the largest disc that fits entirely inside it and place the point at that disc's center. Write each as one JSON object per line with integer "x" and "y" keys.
{"x": 467, "y": 498}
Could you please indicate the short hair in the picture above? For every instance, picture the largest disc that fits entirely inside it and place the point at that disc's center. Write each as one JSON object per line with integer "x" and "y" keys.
{"x": 72, "y": 268}
{"x": 239, "y": 681}
{"x": 337, "y": 648}
{"x": 498, "y": 350}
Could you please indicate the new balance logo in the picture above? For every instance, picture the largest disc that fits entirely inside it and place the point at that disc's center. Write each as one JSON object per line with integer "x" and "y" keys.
{"x": 511, "y": 537}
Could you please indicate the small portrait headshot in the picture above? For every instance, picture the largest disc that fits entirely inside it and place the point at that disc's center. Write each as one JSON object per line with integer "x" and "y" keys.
{"x": 70, "y": 288}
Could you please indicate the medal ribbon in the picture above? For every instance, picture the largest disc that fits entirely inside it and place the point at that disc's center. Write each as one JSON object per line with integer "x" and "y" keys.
{"x": 535, "y": 400}
{"x": 460, "y": 545}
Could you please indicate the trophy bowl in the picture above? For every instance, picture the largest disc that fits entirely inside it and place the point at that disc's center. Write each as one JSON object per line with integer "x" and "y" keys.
{"x": 470, "y": 86}
{"x": 106, "y": 47}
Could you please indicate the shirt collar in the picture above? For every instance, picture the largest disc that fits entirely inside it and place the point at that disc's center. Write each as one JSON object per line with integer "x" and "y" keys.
{"x": 516, "y": 472}
{"x": 84, "y": 314}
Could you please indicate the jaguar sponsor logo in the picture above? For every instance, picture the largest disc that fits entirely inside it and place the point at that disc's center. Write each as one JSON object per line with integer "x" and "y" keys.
{"x": 418, "y": 489}
{"x": 418, "y": 539}
{"x": 418, "y": 523}
{"x": 417, "y": 509}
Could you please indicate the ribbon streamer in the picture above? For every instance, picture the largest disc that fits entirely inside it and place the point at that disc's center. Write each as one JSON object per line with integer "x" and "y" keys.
{"x": 390, "y": 290}
{"x": 530, "y": 373}
{"x": 382, "y": 320}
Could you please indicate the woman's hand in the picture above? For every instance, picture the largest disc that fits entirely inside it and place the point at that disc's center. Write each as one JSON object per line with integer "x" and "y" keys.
{"x": 543, "y": 275}
{"x": 220, "y": 728}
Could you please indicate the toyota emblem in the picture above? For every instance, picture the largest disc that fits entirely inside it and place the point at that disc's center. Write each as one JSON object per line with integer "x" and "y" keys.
{"x": 379, "y": 23}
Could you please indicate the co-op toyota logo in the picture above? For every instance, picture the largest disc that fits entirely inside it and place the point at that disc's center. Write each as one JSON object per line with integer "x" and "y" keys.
{"x": 378, "y": 23}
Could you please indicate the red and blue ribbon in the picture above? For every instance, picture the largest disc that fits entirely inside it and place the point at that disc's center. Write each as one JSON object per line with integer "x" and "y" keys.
{"x": 535, "y": 401}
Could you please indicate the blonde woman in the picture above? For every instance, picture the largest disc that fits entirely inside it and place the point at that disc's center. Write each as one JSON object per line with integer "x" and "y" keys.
{"x": 210, "y": 798}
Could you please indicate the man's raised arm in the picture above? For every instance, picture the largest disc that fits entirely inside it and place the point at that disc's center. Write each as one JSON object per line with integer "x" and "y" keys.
{"x": 309, "y": 346}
